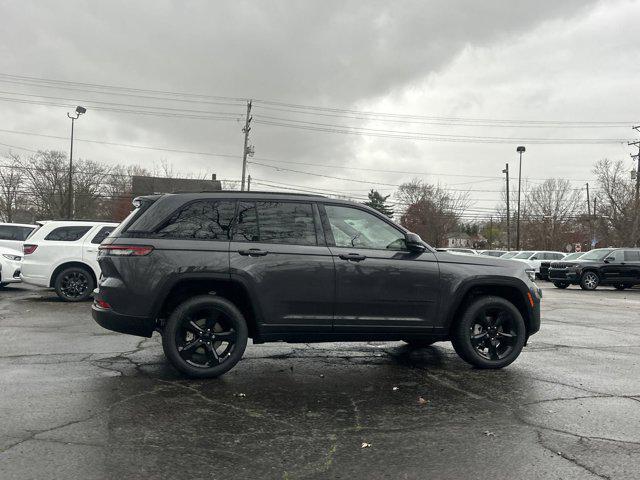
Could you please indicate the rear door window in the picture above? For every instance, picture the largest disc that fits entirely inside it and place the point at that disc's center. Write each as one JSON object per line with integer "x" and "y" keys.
{"x": 68, "y": 234}
{"x": 289, "y": 223}
{"x": 200, "y": 220}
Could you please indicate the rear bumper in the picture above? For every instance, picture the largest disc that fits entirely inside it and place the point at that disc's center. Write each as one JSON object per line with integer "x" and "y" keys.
{"x": 140, "y": 326}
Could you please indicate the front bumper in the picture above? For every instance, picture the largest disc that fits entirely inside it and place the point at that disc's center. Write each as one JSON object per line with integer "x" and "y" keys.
{"x": 107, "y": 318}
{"x": 564, "y": 275}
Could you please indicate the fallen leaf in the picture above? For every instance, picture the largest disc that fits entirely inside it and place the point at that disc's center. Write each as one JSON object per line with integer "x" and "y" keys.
{"x": 422, "y": 401}
{"x": 365, "y": 445}
{"x": 395, "y": 389}
{"x": 489, "y": 434}
{"x": 239, "y": 394}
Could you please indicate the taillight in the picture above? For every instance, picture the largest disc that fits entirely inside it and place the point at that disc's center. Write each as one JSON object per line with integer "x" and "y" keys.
{"x": 29, "y": 249}
{"x": 102, "y": 304}
{"x": 125, "y": 250}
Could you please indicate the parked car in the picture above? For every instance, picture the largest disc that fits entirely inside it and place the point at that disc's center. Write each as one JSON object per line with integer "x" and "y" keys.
{"x": 459, "y": 251}
{"x": 535, "y": 258}
{"x": 63, "y": 255}
{"x": 619, "y": 267}
{"x": 9, "y": 266}
{"x": 544, "y": 266}
{"x": 492, "y": 253}
{"x": 13, "y": 235}
{"x": 210, "y": 270}
{"x": 510, "y": 254}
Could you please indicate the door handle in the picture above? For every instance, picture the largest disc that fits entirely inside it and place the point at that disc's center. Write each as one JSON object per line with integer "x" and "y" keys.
{"x": 253, "y": 252}
{"x": 353, "y": 257}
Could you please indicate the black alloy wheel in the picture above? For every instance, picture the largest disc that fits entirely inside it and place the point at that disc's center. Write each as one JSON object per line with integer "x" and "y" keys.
{"x": 490, "y": 334}
{"x": 589, "y": 281}
{"x": 74, "y": 284}
{"x": 562, "y": 285}
{"x": 205, "y": 336}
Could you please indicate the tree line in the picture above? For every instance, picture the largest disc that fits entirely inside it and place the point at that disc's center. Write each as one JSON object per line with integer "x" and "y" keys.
{"x": 553, "y": 213}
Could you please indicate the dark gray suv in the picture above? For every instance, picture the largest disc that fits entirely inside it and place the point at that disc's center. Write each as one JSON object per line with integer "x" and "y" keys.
{"x": 210, "y": 270}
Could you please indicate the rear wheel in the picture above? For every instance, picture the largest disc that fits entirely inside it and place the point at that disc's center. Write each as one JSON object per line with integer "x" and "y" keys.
{"x": 490, "y": 334}
{"x": 560, "y": 284}
{"x": 205, "y": 336}
{"x": 589, "y": 281}
{"x": 74, "y": 284}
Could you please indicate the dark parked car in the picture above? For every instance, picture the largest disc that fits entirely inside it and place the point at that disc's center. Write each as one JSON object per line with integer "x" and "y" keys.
{"x": 210, "y": 270}
{"x": 544, "y": 266}
{"x": 618, "y": 267}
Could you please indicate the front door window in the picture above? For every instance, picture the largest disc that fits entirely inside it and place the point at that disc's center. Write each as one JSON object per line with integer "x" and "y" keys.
{"x": 355, "y": 228}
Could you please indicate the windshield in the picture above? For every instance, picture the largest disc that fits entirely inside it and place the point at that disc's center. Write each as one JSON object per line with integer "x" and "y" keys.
{"x": 509, "y": 255}
{"x": 573, "y": 256}
{"x": 598, "y": 254}
{"x": 524, "y": 255}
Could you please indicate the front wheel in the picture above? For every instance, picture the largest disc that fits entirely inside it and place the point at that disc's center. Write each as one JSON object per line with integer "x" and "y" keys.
{"x": 589, "y": 281}
{"x": 490, "y": 334}
{"x": 74, "y": 284}
{"x": 205, "y": 336}
{"x": 562, "y": 285}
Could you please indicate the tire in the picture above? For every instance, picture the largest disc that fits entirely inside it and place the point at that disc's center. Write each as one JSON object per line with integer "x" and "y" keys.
{"x": 74, "y": 284}
{"x": 561, "y": 285}
{"x": 491, "y": 323}
{"x": 589, "y": 281}
{"x": 193, "y": 349}
{"x": 3, "y": 284}
{"x": 419, "y": 342}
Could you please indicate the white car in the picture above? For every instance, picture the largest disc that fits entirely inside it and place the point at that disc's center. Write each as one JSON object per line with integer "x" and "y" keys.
{"x": 9, "y": 266}
{"x": 535, "y": 258}
{"x": 64, "y": 255}
{"x": 458, "y": 251}
{"x": 13, "y": 235}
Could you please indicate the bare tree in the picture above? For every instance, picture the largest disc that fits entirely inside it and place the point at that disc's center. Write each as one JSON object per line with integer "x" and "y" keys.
{"x": 430, "y": 210}
{"x": 616, "y": 216}
{"x": 551, "y": 214}
{"x": 11, "y": 182}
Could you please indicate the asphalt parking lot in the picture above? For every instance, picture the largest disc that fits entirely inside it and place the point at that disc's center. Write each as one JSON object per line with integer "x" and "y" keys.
{"x": 79, "y": 402}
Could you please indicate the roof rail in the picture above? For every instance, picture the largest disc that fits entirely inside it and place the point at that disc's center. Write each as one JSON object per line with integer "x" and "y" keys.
{"x": 238, "y": 192}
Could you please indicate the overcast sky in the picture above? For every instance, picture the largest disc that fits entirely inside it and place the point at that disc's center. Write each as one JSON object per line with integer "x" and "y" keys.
{"x": 457, "y": 75}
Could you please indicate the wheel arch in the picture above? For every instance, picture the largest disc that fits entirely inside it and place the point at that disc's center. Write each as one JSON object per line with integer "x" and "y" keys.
{"x": 507, "y": 289}
{"x": 180, "y": 289}
{"x": 70, "y": 264}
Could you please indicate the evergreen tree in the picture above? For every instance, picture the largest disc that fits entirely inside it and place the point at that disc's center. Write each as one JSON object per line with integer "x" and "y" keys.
{"x": 379, "y": 203}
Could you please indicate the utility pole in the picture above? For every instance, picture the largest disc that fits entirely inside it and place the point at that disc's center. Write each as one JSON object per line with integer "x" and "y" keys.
{"x": 506, "y": 172}
{"x": 637, "y": 199}
{"x": 490, "y": 231}
{"x": 520, "y": 150}
{"x": 79, "y": 111}
{"x": 247, "y": 148}
{"x": 249, "y": 183}
{"x": 589, "y": 218}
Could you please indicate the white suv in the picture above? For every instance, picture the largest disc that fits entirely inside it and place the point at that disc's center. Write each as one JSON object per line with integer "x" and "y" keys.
{"x": 64, "y": 255}
{"x": 534, "y": 259}
{"x": 12, "y": 235}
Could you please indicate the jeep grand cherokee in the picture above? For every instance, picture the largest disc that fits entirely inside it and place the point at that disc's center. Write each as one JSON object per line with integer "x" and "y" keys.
{"x": 210, "y": 270}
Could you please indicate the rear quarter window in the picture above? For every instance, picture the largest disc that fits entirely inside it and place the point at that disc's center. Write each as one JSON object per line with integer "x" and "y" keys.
{"x": 67, "y": 234}
{"x": 14, "y": 232}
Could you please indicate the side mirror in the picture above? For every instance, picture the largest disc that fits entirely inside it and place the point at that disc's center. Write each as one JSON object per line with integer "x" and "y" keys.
{"x": 414, "y": 243}
{"x": 533, "y": 258}
{"x": 607, "y": 260}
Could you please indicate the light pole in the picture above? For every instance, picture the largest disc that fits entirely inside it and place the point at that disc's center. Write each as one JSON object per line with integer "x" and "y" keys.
{"x": 79, "y": 111}
{"x": 520, "y": 150}
{"x": 506, "y": 172}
